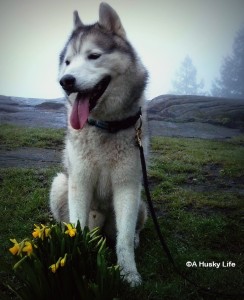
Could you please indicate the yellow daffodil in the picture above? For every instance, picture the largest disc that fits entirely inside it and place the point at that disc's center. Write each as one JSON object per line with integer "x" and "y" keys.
{"x": 54, "y": 267}
{"x": 28, "y": 248}
{"x": 16, "y": 247}
{"x": 41, "y": 232}
{"x": 47, "y": 231}
{"x": 71, "y": 231}
{"x": 63, "y": 260}
{"x": 38, "y": 232}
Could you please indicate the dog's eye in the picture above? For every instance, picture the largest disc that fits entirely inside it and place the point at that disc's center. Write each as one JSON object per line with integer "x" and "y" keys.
{"x": 94, "y": 56}
{"x": 67, "y": 62}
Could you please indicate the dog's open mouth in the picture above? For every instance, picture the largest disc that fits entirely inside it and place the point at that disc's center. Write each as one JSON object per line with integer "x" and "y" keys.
{"x": 85, "y": 101}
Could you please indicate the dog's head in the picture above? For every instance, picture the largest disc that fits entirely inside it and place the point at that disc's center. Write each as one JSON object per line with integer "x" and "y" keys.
{"x": 99, "y": 68}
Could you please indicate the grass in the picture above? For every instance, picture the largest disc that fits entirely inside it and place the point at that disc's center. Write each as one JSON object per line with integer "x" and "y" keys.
{"x": 13, "y": 137}
{"x": 197, "y": 188}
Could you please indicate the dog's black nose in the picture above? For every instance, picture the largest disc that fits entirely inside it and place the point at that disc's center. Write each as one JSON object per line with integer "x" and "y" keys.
{"x": 67, "y": 82}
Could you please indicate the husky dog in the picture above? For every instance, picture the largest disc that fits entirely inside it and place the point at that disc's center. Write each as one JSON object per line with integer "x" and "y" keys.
{"x": 104, "y": 81}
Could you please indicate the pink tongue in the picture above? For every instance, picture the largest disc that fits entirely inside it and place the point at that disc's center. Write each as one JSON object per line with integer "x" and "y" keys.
{"x": 80, "y": 112}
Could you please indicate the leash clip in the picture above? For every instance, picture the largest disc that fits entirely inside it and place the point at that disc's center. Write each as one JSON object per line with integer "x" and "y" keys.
{"x": 139, "y": 132}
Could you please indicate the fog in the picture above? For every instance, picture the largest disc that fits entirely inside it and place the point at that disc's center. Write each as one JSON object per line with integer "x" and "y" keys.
{"x": 163, "y": 33}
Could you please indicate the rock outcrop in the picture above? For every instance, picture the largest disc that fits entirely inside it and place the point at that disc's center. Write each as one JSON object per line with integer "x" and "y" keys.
{"x": 196, "y": 116}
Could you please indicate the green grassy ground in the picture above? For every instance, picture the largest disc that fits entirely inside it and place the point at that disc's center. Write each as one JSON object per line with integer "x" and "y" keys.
{"x": 13, "y": 137}
{"x": 197, "y": 187}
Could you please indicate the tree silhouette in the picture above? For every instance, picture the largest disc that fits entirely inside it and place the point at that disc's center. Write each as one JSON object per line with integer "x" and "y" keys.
{"x": 185, "y": 82}
{"x": 231, "y": 81}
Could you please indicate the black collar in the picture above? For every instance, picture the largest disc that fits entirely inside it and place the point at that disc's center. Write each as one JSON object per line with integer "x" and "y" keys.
{"x": 115, "y": 126}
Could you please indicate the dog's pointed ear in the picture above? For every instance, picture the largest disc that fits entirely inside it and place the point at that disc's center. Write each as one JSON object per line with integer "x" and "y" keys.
{"x": 76, "y": 20}
{"x": 110, "y": 20}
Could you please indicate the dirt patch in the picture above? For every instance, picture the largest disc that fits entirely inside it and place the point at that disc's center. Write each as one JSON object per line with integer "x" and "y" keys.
{"x": 215, "y": 180}
{"x": 208, "y": 210}
{"x": 28, "y": 157}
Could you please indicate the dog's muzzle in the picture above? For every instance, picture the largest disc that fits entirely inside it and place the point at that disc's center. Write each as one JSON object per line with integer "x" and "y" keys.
{"x": 86, "y": 99}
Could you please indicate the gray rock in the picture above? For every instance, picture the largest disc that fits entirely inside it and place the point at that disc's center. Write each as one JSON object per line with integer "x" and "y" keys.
{"x": 196, "y": 116}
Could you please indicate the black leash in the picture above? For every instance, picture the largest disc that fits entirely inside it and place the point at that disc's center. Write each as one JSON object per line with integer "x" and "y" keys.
{"x": 157, "y": 227}
{"x": 149, "y": 200}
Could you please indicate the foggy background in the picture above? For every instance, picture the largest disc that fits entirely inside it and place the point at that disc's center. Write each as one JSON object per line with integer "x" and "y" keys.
{"x": 164, "y": 33}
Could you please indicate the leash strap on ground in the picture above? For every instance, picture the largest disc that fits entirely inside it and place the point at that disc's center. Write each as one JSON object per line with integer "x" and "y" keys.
{"x": 148, "y": 196}
{"x": 152, "y": 211}
{"x": 157, "y": 227}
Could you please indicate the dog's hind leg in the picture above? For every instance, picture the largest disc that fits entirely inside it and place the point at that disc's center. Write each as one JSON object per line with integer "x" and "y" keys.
{"x": 59, "y": 198}
{"x": 96, "y": 219}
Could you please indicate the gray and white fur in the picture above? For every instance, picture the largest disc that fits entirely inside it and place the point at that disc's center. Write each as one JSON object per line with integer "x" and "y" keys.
{"x": 101, "y": 181}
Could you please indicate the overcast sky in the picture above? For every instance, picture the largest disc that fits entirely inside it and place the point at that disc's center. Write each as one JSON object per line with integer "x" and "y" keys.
{"x": 32, "y": 34}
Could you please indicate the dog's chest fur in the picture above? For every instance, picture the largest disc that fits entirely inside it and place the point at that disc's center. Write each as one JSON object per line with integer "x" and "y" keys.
{"x": 104, "y": 159}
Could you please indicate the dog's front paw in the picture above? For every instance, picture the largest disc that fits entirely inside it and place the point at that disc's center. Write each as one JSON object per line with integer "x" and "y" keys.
{"x": 133, "y": 278}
